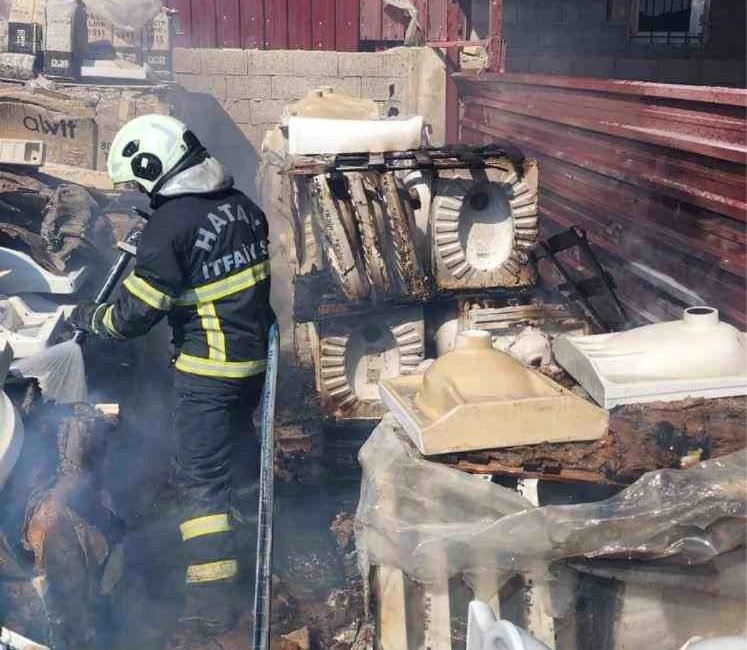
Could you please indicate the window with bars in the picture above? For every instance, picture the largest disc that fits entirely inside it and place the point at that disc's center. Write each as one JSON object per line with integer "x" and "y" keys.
{"x": 670, "y": 21}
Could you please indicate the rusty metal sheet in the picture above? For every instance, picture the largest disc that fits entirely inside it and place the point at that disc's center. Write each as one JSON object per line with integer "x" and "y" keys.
{"x": 655, "y": 173}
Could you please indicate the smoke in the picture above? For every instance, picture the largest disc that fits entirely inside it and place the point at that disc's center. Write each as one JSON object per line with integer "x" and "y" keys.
{"x": 134, "y": 14}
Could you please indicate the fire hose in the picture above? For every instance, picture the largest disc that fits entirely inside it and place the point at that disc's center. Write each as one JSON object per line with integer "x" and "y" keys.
{"x": 128, "y": 250}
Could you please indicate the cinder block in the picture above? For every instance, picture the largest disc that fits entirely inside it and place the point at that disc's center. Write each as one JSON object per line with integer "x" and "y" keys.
{"x": 291, "y": 88}
{"x": 249, "y": 87}
{"x": 399, "y": 62}
{"x": 550, "y": 64}
{"x": 294, "y": 63}
{"x": 723, "y": 73}
{"x": 385, "y": 88}
{"x": 187, "y": 61}
{"x": 352, "y": 86}
{"x": 360, "y": 64}
{"x": 214, "y": 85}
{"x": 229, "y": 62}
{"x": 239, "y": 110}
{"x": 390, "y": 109}
{"x": 679, "y": 71}
{"x": 267, "y": 111}
{"x": 636, "y": 69}
{"x": 591, "y": 66}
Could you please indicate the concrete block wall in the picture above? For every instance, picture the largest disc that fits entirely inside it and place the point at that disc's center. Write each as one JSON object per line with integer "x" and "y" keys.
{"x": 253, "y": 86}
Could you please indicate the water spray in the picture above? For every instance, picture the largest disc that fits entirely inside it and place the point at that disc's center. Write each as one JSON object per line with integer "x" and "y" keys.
{"x": 60, "y": 370}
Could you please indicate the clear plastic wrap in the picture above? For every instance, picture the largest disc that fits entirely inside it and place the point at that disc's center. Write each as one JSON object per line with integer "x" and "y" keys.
{"x": 432, "y": 521}
{"x": 134, "y": 14}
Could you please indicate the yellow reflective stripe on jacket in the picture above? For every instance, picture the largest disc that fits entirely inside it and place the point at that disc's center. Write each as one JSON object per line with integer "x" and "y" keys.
{"x": 201, "y": 526}
{"x": 109, "y": 323}
{"x": 212, "y": 571}
{"x": 148, "y": 293}
{"x": 223, "y": 288}
{"x": 216, "y": 340}
{"x": 224, "y": 369}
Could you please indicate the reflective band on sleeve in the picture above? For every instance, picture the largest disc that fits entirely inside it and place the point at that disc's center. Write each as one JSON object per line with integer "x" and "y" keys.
{"x": 216, "y": 340}
{"x": 147, "y": 293}
{"x": 109, "y": 323}
{"x": 224, "y": 288}
{"x": 95, "y": 318}
{"x": 210, "y": 525}
{"x": 223, "y": 369}
{"x": 212, "y": 571}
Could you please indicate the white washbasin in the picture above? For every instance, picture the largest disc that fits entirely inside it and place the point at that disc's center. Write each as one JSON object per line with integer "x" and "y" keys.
{"x": 698, "y": 356}
{"x": 29, "y": 332}
{"x": 486, "y": 632}
{"x": 24, "y": 275}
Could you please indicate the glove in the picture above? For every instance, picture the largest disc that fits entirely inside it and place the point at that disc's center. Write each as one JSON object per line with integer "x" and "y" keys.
{"x": 87, "y": 317}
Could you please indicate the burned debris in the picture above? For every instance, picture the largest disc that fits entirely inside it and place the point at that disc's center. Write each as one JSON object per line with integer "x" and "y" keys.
{"x": 512, "y": 379}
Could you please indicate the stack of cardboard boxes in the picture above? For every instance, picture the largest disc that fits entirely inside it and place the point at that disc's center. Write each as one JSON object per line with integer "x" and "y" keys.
{"x": 65, "y": 35}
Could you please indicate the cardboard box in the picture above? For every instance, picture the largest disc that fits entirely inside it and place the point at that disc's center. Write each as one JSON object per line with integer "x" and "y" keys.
{"x": 67, "y": 128}
{"x": 100, "y": 36}
{"x": 25, "y": 21}
{"x": 157, "y": 43}
{"x": 65, "y": 39}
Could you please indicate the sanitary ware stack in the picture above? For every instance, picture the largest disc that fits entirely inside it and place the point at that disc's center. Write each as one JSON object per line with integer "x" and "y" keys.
{"x": 386, "y": 241}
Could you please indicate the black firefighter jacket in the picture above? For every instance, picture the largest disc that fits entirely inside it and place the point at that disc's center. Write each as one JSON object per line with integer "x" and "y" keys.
{"x": 203, "y": 261}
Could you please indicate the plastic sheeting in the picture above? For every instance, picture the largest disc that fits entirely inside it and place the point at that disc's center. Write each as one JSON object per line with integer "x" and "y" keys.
{"x": 125, "y": 13}
{"x": 432, "y": 521}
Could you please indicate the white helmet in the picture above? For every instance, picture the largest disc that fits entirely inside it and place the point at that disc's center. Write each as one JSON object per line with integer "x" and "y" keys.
{"x": 149, "y": 150}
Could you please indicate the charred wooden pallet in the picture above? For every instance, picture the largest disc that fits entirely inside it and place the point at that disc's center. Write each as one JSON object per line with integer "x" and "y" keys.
{"x": 642, "y": 438}
{"x": 440, "y": 158}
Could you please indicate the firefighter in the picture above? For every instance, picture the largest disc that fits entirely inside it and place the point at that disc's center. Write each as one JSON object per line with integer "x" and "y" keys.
{"x": 202, "y": 262}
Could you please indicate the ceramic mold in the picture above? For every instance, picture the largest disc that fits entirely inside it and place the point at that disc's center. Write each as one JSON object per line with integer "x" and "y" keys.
{"x": 698, "y": 356}
{"x": 26, "y": 276}
{"x": 354, "y": 354}
{"x": 479, "y": 398}
{"x": 484, "y": 223}
{"x": 29, "y": 332}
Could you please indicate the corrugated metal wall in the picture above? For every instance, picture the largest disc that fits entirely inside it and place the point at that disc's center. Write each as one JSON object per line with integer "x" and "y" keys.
{"x": 343, "y": 25}
{"x": 655, "y": 173}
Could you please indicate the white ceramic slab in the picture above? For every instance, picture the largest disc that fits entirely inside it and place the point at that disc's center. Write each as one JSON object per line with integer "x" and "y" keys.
{"x": 695, "y": 357}
{"x": 26, "y": 276}
{"x": 29, "y": 332}
{"x": 11, "y": 437}
{"x": 309, "y": 135}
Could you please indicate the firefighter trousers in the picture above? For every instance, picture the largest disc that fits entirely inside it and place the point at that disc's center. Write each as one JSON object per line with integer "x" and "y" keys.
{"x": 217, "y": 455}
